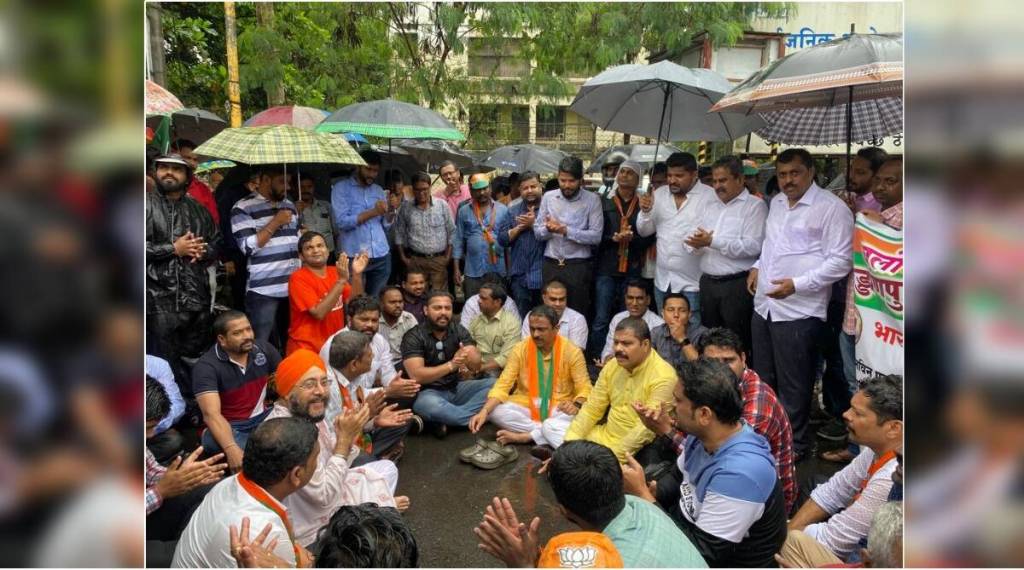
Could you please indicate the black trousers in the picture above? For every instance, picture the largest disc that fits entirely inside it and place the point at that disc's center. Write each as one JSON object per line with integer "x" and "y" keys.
{"x": 578, "y": 277}
{"x": 835, "y": 390}
{"x": 169, "y": 521}
{"x": 786, "y": 357}
{"x": 178, "y": 334}
{"x": 727, "y": 303}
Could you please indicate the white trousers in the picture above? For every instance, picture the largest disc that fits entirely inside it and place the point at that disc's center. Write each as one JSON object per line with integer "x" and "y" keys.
{"x": 386, "y": 469}
{"x": 517, "y": 418}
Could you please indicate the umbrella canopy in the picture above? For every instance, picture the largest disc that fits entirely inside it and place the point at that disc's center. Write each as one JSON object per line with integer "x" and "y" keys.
{"x": 434, "y": 152}
{"x": 390, "y": 119}
{"x": 642, "y": 153}
{"x": 524, "y": 157}
{"x": 804, "y": 97}
{"x": 214, "y": 165}
{"x": 196, "y": 125}
{"x": 663, "y": 100}
{"x": 279, "y": 144}
{"x": 397, "y": 158}
{"x": 356, "y": 138}
{"x": 159, "y": 100}
{"x": 294, "y": 115}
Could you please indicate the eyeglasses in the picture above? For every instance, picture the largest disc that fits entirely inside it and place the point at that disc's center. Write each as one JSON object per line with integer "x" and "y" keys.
{"x": 312, "y": 383}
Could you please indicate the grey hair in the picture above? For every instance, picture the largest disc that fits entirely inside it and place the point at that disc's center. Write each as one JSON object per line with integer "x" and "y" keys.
{"x": 346, "y": 347}
{"x": 885, "y": 533}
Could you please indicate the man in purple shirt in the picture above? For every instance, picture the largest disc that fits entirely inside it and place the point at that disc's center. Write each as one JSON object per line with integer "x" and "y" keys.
{"x": 570, "y": 223}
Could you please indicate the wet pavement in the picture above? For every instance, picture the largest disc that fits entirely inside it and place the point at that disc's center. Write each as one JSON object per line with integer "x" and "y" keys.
{"x": 448, "y": 496}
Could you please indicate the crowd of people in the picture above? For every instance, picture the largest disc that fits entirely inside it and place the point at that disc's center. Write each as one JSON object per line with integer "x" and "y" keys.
{"x": 658, "y": 348}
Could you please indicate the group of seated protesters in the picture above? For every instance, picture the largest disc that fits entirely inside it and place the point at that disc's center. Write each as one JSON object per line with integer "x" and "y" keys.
{"x": 643, "y": 406}
{"x": 324, "y": 452}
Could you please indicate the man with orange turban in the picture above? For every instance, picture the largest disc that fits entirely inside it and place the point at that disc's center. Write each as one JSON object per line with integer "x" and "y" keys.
{"x": 301, "y": 383}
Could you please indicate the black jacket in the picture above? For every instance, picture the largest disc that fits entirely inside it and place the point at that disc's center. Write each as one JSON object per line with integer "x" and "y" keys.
{"x": 608, "y": 252}
{"x": 175, "y": 283}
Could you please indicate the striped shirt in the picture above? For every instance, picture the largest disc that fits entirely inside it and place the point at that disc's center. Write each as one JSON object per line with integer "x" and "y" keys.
{"x": 270, "y": 266}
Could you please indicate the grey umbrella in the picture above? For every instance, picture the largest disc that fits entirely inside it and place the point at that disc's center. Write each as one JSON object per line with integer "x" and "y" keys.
{"x": 804, "y": 97}
{"x": 664, "y": 100}
{"x": 642, "y": 153}
{"x": 524, "y": 157}
{"x": 196, "y": 125}
{"x": 390, "y": 119}
{"x": 434, "y": 152}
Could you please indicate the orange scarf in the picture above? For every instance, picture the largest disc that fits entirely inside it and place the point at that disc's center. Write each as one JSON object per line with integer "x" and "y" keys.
{"x": 877, "y": 464}
{"x": 264, "y": 498}
{"x": 623, "y": 226}
{"x": 362, "y": 440}
{"x": 488, "y": 231}
{"x": 533, "y": 375}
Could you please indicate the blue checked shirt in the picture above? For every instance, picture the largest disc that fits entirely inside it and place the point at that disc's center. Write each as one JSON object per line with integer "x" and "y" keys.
{"x": 527, "y": 253}
{"x": 469, "y": 240}
{"x": 348, "y": 200}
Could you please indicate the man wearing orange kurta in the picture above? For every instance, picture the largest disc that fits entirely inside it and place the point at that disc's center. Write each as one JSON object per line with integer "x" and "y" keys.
{"x": 541, "y": 389}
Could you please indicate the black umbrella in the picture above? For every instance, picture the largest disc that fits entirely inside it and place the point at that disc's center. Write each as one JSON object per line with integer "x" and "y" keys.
{"x": 642, "y": 153}
{"x": 196, "y": 125}
{"x": 434, "y": 152}
{"x": 524, "y": 157}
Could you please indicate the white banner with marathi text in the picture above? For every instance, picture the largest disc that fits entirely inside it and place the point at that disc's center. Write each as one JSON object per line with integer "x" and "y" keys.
{"x": 878, "y": 295}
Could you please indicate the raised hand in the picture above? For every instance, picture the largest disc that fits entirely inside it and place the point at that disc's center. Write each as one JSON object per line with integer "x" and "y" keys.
{"x": 504, "y": 537}
{"x": 342, "y": 266}
{"x": 658, "y": 421}
{"x": 283, "y": 217}
{"x": 360, "y": 263}
{"x": 184, "y": 475}
{"x": 402, "y": 387}
{"x": 349, "y": 424}
{"x": 700, "y": 238}
{"x": 391, "y": 416}
{"x": 381, "y": 207}
{"x": 254, "y": 553}
{"x": 375, "y": 401}
{"x": 646, "y": 201}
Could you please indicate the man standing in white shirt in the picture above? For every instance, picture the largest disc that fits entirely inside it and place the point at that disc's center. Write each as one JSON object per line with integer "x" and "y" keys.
{"x": 674, "y": 215}
{"x": 729, "y": 241}
{"x": 571, "y": 324}
{"x": 807, "y": 248}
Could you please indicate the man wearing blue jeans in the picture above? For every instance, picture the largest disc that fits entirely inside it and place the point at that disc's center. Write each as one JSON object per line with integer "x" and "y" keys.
{"x": 438, "y": 354}
{"x": 363, "y": 213}
{"x": 230, "y": 384}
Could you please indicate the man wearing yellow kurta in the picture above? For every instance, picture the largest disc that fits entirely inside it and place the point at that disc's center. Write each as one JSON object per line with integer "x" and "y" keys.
{"x": 636, "y": 374}
{"x": 541, "y": 389}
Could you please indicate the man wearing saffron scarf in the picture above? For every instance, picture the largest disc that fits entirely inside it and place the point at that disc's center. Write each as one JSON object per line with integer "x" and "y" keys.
{"x": 302, "y": 382}
{"x": 543, "y": 386}
{"x": 280, "y": 458}
{"x": 622, "y": 253}
{"x": 476, "y": 238}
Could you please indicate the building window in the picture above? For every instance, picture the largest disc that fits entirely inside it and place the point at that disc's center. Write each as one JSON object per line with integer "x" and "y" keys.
{"x": 496, "y": 57}
{"x": 550, "y": 122}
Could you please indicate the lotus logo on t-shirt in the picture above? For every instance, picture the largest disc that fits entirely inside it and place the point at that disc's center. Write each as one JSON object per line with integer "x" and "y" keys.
{"x": 260, "y": 359}
{"x": 577, "y": 557}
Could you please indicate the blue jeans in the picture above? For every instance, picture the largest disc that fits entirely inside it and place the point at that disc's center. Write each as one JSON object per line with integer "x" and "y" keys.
{"x": 376, "y": 275}
{"x": 692, "y": 296}
{"x": 240, "y": 430}
{"x": 453, "y": 407}
{"x": 525, "y": 298}
{"x": 609, "y": 292}
{"x": 262, "y": 312}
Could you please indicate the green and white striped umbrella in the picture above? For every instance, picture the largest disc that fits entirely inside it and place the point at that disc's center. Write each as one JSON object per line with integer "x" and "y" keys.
{"x": 390, "y": 119}
{"x": 279, "y": 144}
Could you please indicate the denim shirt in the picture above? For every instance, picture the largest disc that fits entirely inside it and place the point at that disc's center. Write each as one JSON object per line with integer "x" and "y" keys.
{"x": 469, "y": 240}
{"x": 349, "y": 199}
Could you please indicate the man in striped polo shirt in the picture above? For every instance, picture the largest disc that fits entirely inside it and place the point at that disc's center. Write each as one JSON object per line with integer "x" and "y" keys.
{"x": 266, "y": 227}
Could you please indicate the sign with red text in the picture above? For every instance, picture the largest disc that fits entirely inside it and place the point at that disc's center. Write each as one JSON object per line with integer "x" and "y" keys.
{"x": 878, "y": 296}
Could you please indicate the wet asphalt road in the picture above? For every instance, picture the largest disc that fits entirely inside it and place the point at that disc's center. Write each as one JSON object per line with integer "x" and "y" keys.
{"x": 448, "y": 497}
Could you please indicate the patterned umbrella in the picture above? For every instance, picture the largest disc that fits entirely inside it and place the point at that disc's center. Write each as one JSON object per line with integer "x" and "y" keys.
{"x": 390, "y": 119}
{"x": 214, "y": 165}
{"x": 302, "y": 117}
{"x": 804, "y": 97}
{"x": 160, "y": 101}
{"x": 279, "y": 144}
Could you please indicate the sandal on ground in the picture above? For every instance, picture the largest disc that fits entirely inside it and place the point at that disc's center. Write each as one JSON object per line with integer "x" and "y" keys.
{"x": 494, "y": 455}
{"x": 836, "y": 456}
{"x": 466, "y": 455}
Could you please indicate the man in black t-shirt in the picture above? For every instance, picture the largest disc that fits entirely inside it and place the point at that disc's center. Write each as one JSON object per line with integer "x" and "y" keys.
{"x": 439, "y": 353}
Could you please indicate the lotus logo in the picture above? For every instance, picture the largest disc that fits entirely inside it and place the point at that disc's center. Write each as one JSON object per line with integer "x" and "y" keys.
{"x": 573, "y": 557}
